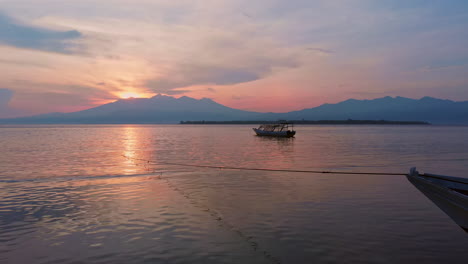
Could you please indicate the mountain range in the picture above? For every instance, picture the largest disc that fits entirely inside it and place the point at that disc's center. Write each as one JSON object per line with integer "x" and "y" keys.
{"x": 167, "y": 109}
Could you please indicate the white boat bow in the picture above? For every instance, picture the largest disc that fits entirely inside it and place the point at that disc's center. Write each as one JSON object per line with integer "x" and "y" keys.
{"x": 449, "y": 193}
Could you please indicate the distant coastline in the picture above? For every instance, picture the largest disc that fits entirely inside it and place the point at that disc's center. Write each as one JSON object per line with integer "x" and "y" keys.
{"x": 309, "y": 122}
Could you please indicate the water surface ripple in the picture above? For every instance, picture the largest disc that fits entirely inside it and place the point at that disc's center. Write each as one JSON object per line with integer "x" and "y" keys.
{"x": 68, "y": 195}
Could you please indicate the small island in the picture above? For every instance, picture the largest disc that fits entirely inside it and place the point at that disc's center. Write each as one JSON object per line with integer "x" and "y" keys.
{"x": 308, "y": 122}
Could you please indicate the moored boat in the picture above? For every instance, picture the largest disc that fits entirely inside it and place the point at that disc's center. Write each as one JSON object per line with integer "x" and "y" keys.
{"x": 449, "y": 193}
{"x": 275, "y": 130}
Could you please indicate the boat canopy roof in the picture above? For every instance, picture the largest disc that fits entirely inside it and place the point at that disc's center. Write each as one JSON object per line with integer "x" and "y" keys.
{"x": 275, "y": 127}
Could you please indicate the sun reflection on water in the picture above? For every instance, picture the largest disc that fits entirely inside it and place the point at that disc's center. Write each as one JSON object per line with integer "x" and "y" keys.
{"x": 130, "y": 143}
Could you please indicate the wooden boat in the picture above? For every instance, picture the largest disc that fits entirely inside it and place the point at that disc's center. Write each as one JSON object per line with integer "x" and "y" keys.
{"x": 275, "y": 130}
{"x": 450, "y": 194}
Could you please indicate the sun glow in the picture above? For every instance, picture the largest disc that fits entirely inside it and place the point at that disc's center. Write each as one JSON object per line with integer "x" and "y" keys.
{"x": 128, "y": 95}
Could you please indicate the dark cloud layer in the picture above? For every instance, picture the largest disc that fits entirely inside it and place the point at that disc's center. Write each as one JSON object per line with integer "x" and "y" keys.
{"x": 160, "y": 86}
{"x": 201, "y": 75}
{"x": 24, "y": 36}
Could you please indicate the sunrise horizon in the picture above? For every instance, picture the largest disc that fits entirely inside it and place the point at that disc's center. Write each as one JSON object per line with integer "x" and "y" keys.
{"x": 269, "y": 56}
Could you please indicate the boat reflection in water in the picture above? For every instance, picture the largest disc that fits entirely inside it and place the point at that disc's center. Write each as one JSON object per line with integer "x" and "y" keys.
{"x": 450, "y": 194}
{"x": 275, "y": 130}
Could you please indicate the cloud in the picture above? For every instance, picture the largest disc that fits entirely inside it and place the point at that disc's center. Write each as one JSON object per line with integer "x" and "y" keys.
{"x": 19, "y": 35}
{"x": 321, "y": 50}
{"x": 239, "y": 97}
{"x": 267, "y": 49}
{"x": 158, "y": 86}
{"x": 6, "y": 110}
{"x": 48, "y": 97}
{"x": 218, "y": 57}
{"x": 5, "y": 97}
{"x": 24, "y": 63}
{"x": 191, "y": 75}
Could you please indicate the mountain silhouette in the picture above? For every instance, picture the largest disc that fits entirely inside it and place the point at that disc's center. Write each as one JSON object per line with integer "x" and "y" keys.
{"x": 433, "y": 110}
{"x": 158, "y": 109}
{"x": 167, "y": 109}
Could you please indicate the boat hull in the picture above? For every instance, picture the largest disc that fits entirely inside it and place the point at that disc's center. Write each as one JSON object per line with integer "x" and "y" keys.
{"x": 440, "y": 191}
{"x": 264, "y": 133}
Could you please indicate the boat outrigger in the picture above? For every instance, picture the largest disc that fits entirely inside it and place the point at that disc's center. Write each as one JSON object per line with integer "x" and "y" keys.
{"x": 449, "y": 193}
{"x": 275, "y": 130}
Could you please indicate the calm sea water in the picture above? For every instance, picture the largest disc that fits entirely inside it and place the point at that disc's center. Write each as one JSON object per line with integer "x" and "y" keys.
{"x": 71, "y": 194}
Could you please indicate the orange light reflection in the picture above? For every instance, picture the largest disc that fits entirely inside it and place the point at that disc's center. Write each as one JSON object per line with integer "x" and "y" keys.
{"x": 130, "y": 145}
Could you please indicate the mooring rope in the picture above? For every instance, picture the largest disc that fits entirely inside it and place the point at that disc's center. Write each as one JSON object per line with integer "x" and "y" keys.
{"x": 255, "y": 245}
{"x": 222, "y": 221}
{"x": 260, "y": 169}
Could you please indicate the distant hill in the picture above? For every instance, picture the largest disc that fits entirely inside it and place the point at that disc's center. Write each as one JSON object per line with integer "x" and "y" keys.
{"x": 158, "y": 109}
{"x": 436, "y": 111}
{"x": 167, "y": 109}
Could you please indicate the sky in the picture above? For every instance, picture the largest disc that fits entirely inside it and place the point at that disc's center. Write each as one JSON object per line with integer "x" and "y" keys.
{"x": 263, "y": 55}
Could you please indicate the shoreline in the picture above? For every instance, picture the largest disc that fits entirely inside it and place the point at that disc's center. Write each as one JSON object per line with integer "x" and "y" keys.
{"x": 308, "y": 122}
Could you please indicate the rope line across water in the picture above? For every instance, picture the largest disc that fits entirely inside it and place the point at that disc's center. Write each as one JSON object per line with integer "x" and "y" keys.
{"x": 262, "y": 169}
{"x": 215, "y": 214}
